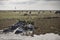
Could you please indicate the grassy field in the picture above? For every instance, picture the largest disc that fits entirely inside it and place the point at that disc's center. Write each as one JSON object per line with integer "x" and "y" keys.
{"x": 42, "y": 23}
{"x": 20, "y": 16}
{"x": 24, "y": 15}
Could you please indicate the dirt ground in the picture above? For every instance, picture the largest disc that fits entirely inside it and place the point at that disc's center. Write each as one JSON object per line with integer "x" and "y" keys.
{"x": 47, "y": 25}
{"x": 4, "y": 23}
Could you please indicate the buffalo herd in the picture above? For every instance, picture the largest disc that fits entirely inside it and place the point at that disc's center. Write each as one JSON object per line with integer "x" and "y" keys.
{"x": 20, "y": 27}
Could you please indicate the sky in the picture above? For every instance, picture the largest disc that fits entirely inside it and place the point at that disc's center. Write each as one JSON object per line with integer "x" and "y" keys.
{"x": 29, "y": 4}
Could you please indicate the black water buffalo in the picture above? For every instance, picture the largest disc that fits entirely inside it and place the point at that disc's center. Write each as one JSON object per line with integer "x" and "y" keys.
{"x": 15, "y": 26}
{"x": 19, "y": 30}
{"x": 26, "y": 28}
{"x": 7, "y": 31}
{"x": 18, "y": 24}
{"x": 30, "y": 27}
{"x": 19, "y": 27}
{"x": 57, "y": 12}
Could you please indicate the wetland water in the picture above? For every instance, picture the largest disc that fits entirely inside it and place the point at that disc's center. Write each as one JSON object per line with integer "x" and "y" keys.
{"x": 11, "y": 36}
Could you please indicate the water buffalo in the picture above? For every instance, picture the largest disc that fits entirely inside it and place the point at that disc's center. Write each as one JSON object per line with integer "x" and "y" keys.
{"x": 57, "y": 12}
{"x": 30, "y": 27}
{"x": 7, "y": 30}
{"x": 15, "y": 26}
{"x": 19, "y": 30}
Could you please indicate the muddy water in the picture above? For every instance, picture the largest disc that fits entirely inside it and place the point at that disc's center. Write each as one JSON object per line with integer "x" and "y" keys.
{"x": 11, "y": 36}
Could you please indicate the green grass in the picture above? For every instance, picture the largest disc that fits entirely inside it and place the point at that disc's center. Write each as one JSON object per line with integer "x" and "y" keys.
{"x": 16, "y": 16}
{"x": 20, "y": 15}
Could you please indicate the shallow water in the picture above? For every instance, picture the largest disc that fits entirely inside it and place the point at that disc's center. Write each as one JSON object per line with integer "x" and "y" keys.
{"x": 12, "y": 36}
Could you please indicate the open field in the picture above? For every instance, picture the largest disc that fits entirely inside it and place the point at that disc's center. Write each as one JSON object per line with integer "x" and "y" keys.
{"x": 25, "y": 14}
{"x": 43, "y": 21}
